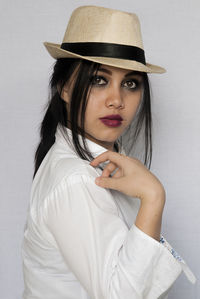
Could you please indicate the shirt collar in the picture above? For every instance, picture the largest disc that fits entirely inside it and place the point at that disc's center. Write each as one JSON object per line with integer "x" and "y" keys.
{"x": 94, "y": 148}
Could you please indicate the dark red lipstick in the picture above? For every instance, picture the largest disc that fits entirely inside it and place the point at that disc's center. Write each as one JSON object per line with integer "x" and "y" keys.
{"x": 113, "y": 120}
{"x": 113, "y": 116}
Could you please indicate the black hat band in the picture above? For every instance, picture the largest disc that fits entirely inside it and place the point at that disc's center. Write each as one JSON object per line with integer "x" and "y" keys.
{"x": 106, "y": 50}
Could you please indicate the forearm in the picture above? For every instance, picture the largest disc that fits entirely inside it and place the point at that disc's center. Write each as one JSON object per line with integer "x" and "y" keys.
{"x": 149, "y": 217}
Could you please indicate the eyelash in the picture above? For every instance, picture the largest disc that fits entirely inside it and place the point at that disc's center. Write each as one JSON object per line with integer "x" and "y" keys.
{"x": 137, "y": 83}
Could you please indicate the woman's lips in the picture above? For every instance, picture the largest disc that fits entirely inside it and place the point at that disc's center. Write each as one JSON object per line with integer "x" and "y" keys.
{"x": 111, "y": 122}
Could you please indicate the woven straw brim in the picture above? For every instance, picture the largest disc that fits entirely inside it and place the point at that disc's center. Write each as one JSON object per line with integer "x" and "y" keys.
{"x": 56, "y": 52}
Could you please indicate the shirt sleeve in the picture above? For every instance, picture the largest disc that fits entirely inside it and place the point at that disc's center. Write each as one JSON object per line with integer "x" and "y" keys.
{"x": 172, "y": 250}
{"x": 109, "y": 260}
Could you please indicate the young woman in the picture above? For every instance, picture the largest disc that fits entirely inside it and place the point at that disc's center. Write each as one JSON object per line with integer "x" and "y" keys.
{"x": 94, "y": 222}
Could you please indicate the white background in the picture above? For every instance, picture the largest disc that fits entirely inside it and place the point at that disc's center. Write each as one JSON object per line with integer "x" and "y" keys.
{"x": 171, "y": 36}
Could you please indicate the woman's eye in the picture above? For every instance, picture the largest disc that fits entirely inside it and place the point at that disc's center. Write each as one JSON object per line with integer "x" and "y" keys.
{"x": 132, "y": 84}
{"x": 98, "y": 80}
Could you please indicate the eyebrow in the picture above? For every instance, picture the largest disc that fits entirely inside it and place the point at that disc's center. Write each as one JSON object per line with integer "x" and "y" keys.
{"x": 128, "y": 74}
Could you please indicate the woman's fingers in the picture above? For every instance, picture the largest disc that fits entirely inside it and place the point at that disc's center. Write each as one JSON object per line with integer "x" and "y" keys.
{"x": 108, "y": 155}
{"x": 108, "y": 169}
{"x": 110, "y": 183}
{"x": 130, "y": 176}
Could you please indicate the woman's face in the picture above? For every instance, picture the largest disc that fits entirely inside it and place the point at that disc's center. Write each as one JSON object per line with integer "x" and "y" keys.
{"x": 114, "y": 91}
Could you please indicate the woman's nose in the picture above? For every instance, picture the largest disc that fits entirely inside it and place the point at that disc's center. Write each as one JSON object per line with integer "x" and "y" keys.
{"x": 114, "y": 98}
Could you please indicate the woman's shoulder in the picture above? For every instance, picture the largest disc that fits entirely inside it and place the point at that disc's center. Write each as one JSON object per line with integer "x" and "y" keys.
{"x": 56, "y": 171}
{"x": 68, "y": 167}
{"x": 65, "y": 168}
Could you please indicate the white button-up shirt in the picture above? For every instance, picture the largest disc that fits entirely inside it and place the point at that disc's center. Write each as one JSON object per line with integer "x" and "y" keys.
{"x": 80, "y": 240}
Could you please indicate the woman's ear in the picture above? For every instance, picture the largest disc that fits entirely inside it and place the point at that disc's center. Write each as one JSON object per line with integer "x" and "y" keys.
{"x": 64, "y": 94}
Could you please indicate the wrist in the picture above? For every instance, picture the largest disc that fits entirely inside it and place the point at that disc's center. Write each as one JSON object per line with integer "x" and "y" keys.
{"x": 157, "y": 197}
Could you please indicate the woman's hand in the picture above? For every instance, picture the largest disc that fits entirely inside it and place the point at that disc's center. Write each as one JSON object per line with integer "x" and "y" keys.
{"x": 131, "y": 177}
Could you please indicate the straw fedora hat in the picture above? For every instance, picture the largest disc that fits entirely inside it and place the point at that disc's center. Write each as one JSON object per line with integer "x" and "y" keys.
{"x": 104, "y": 35}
